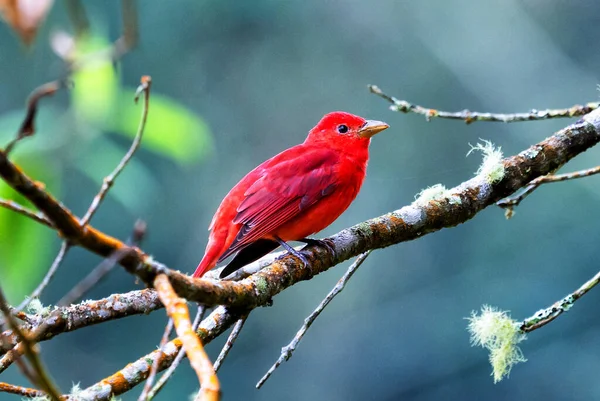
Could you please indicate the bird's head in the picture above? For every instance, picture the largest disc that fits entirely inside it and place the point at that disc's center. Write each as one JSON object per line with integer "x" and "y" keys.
{"x": 345, "y": 130}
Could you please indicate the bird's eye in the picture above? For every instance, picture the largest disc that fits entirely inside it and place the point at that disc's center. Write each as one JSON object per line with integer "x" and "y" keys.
{"x": 342, "y": 129}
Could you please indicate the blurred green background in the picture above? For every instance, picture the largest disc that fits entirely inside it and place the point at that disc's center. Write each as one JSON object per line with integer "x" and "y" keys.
{"x": 235, "y": 82}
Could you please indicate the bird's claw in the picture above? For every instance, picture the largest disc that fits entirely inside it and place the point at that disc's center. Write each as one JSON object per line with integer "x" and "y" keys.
{"x": 320, "y": 242}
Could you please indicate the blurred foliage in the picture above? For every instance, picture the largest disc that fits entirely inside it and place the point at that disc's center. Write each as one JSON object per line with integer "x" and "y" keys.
{"x": 99, "y": 105}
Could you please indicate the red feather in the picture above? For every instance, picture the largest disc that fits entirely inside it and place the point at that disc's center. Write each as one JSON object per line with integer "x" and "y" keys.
{"x": 294, "y": 194}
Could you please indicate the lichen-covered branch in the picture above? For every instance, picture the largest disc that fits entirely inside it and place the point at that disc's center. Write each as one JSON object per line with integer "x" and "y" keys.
{"x": 22, "y": 391}
{"x": 37, "y": 372}
{"x": 545, "y": 316}
{"x": 74, "y": 317}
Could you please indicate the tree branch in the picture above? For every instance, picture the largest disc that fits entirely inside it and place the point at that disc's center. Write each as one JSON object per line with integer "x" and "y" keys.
{"x": 74, "y": 317}
{"x": 177, "y": 310}
{"x": 472, "y": 116}
{"x": 512, "y": 201}
{"x": 134, "y": 373}
{"x": 288, "y": 350}
{"x": 22, "y": 391}
{"x": 233, "y": 336}
{"x": 40, "y": 375}
{"x": 545, "y": 316}
{"x": 35, "y": 216}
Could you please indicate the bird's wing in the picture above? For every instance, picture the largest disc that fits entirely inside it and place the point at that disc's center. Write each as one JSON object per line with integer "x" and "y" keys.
{"x": 284, "y": 190}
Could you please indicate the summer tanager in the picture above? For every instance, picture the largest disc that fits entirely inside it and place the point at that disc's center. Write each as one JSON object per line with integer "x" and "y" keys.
{"x": 292, "y": 195}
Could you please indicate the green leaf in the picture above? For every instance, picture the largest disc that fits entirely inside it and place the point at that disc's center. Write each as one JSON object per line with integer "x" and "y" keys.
{"x": 171, "y": 130}
{"x": 25, "y": 246}
{"x": 96, "y": 86}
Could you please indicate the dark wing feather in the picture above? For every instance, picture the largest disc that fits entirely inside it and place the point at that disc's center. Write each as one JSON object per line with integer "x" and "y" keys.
{"x": 249, "y": 254}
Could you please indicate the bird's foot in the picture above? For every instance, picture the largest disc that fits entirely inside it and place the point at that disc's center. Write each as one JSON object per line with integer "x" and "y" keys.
{"x": 320, "y": 242}
{"x": 294, "y": 252}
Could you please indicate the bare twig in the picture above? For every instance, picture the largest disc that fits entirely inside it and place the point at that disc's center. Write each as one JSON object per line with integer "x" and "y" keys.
{"x": 472, "y": 116}
{"x": 288, "y": 350}
{"x": 107, "y": 183}
{"x": 233, "y": 336}
{"x": 545, "y": 316}
{"x": 42, "y": 377}
{"x": 163, "y": 341}
{"x": 512, "y": 201}
{"x": 167, "y": 375}
{"x": 28, "y": 125}
{"x": 100, "y": 271}
{"x": 64, "y": 248}
{"x": 22, "y": 391}
{"x": 178, "y": 311}
{"x": 36, "y": 216}
{"x": 93, "y": 277}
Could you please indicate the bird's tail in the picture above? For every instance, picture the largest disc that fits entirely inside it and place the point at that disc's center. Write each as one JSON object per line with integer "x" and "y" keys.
{"x": 208, "y": 262}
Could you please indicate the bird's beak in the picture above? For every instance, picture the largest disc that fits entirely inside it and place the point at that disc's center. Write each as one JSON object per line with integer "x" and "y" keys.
{"x": 371, "y": 127}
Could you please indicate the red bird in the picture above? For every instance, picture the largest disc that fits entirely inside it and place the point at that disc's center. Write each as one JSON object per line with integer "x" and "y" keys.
{"x": 292, "y": 195}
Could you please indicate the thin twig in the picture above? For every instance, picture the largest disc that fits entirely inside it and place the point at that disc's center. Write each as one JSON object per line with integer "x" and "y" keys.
{"x": 512, "y": 201}
{"x": 167, "y": 375}
{"x": 233, "y": 336}
{"x": 22, "y": 391}
{"x": 107, "y": 183}
{"x": 93, "y": 277}
{"x": 177, "y": 310}
{"x": 287, "y": 351}
{"x": 64, "y": 248}
{"x": 472, "y": 116}
{"x": 150, "y": 381}
{"x": 100, "y": 271}
{"x": 36, "y": 216}
{"x": 545, "y": 316}
{"x": 28, "y": 125}
{"x": 42, "y": 377}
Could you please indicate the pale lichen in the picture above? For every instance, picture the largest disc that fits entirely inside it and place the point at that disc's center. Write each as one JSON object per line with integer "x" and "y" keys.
{"x": 495, "y": 330}
{"x": 36, "y": 307}
{"x": 491, "y": 167}
{"x": 428, "y": 194}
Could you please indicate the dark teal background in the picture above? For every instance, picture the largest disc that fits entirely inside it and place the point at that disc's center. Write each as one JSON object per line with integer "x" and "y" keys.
{"x": 260, "y": 74}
